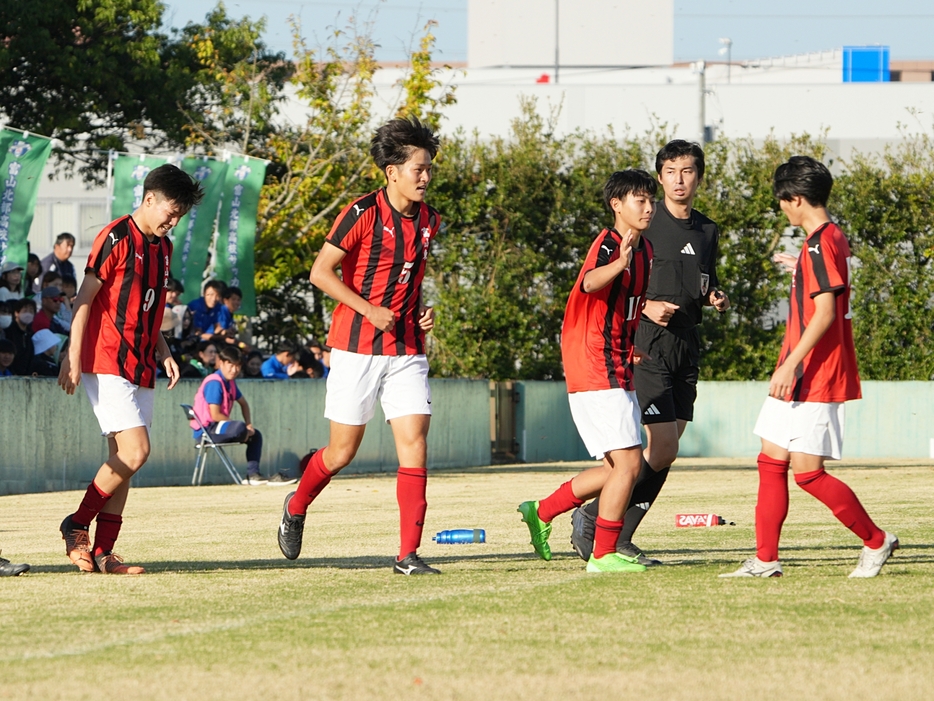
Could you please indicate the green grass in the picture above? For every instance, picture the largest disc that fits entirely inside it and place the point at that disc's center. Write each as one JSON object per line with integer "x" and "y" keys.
{"x": 221, "y": 615}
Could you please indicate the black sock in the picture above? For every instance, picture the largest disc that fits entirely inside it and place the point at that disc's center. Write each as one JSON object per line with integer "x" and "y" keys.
{"x": 643, "y": 496}
{"x": 646, "y": 473}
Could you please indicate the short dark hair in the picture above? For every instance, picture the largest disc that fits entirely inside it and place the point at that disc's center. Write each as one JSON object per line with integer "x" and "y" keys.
{"x": 625, "y": 182}
{"x": 64, "y": 236}
{"x": 21, "y": 304}
{"x": 254, "y": 354}
{"x": 394, "y": 142}
{"x": 204, "y": 345}
{"x": 69, "y": 280}
{"x": 6, "y": 346}
{"x": 678, "y": 149}
{"x": 287, "y": 347}
{"x": 216, "y": 284}
{"x": 175, "y": 286}
{"x": 175, "y": 185}
{"x": 233, "y": 291}
{"x": 230, "y": 353}
{"x": 51, "y": 275}
{"x": 804, "y": 176}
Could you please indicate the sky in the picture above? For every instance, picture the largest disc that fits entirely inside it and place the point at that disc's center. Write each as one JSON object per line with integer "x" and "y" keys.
{"x": 757, "y": 28}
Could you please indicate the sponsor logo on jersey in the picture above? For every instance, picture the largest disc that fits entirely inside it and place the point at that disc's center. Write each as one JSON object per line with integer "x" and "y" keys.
{"x": 391, "y": 232}
{"x": 688, "y": 250}
{"x": 704, "y": 282}
{"x": 815, "y": 249}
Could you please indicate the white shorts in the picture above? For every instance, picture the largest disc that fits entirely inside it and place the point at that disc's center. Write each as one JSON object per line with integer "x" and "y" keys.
{"x": 356, "y": 381}
{"x": 118, "y": 404}
{"x": 815, "y": 428}
{"x": 606, "y": 419}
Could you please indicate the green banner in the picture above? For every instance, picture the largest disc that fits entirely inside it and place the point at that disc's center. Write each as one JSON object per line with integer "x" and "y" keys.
{"x": 22, "y": 158}
{"x": 237, "y": 227}
{"x": 192, "y": 237}
{"x": 129, "y": 172}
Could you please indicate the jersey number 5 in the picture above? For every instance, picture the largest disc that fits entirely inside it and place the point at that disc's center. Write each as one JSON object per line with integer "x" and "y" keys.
{"x": 406, "y": 272}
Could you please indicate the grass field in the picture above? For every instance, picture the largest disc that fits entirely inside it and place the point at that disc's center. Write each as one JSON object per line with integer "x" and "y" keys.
{"x": 221, "y": 615}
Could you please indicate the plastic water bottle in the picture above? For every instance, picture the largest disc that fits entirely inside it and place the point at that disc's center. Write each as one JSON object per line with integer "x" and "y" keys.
{"x": 700, "y": 520}
{"x": 461, "y": 535}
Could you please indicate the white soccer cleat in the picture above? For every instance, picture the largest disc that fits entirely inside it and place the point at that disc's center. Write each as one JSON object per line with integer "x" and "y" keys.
{"x": 754, "y": 567}
{"x": 871, "y": 561}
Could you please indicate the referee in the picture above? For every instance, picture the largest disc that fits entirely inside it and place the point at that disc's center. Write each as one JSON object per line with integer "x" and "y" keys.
{"x": 683, "y": 281}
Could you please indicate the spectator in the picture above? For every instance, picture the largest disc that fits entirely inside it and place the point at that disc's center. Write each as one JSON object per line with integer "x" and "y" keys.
{"x": 322, "y": 354}
{"x": 45, "y": 345}
{"x": 253, "y": 367}
{"x": 51, "y": 300}
{"x": 232, "y": 299}
{"x": 205, "y": 310}
{"x": 50, "y": 279}
{"x": 6, "y": 318}
{"x": 32, "y": 285}
{"x": 213, "y": 405}
{"x": 7, "y": 354}
{"x": 173, "y": 292}
{"x": 69, "y": 292}
{"x": 58, "y": 260}
{"x": 20, "y": 333}
{"x": 11, "y": 281}
{"x": 310, "y": 368}
{"x": 206, "y": 358}
{"x": 282, "y": 365}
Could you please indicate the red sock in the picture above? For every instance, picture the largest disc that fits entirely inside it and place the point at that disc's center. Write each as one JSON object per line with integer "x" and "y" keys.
{"x": 771, "y": 506}
{"x": 843, "y": 502}
{"x": 93, "y": 502}
{"x": 410, "y": 493}
{"x": 605, "y": 537}
{"x": 559, "y": 502}
{"x": 315, "y": 478}
{"x": 108, "y": 528}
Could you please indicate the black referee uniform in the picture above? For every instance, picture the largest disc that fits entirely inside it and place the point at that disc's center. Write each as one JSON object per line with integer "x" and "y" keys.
{"x": 684, "y": 271}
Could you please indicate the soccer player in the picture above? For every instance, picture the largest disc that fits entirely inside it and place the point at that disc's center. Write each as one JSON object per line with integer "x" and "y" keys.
{"x": 381, "y": 242}
{"x": 802, "y": 420}
{"x": 598, "y": 350}
{"x": 115, "y": 339}
{"x": 684, "y": 280}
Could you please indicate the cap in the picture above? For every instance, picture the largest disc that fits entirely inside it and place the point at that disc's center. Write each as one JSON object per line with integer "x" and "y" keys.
{"x": 42, "y": 340}
{"x": 51, "y": 291}
{"x": 10, "y": 265}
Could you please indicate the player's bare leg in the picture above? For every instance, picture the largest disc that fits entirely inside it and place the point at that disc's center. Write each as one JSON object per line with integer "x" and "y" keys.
{"x": 625, "y": 466}
{"x": 411, "y": 437}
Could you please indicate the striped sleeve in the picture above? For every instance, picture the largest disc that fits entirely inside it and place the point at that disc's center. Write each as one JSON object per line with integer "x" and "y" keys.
{"x": 353, "y": 223}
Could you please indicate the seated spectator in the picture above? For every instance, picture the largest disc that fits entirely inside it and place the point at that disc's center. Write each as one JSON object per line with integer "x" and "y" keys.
{"x": 45, "y": 345}
{"x": 33, "y": 283}
{"x": 173, "y": 292}
{"x": 58, "y": 260}
{"x": 232, "y": 299}
{"x": 253, "y": 367}
{"x": 69, "y": 292}
{"x": 7, "y": 354}
{"x": 310, "y": 367}
{"x": 213, "y": 405}
{"x": 205, "y": 310}
{"x": 6, "y": 318}
{"x": 51, "y": 300}
{"x": 322, "y": 354}
{"x": 20, "y": 333}
{"x": 282, "y": 365}
{"x": 205, "y": 358}
{"x": 11, "y": 281}
{"x": 50, "y": 279}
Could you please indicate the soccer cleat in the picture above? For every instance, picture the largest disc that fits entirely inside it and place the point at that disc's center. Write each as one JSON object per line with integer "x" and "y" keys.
{"x": 280, "y": 480}
{"x": 537, "y": 528}
{"x": 635, "y": 552}
{"x": 413, "y": 564}
{"x": 111, "y": 563}
{"x": 583, "y": 528}
{"x": 754, "y": 567}
{"x": 290, "y": 531}
{"x": 614, "y": 562}
{"x": 77, "y": 544}
{"x": 255, "y": 479}
{"x": 9, "y": 569}
{"x": 871, "y": 560}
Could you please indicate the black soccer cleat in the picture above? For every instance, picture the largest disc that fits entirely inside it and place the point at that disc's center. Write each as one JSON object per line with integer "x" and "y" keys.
{"x": 413, "y": 564}
{"x": 11, "y": 569}
{"x": 290, "y": 531}
{"x": 634, "y": 551}
{"x": 583, "y": 528}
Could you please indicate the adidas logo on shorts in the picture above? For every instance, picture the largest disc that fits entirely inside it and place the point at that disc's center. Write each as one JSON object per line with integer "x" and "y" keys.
{"x": 652, "y": 411}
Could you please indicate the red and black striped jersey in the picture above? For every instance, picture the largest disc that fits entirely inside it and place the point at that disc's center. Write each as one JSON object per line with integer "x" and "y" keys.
{"x": 126, "y": 315}
{"x": 599, "y": 327}
{"x": 829, "y": 372}
{"x": 385, "y": 264}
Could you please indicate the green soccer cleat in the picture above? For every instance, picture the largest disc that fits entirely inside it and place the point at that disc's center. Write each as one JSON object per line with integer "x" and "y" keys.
{"x": 614, "y": 562}
{"x": 537, "y": 528}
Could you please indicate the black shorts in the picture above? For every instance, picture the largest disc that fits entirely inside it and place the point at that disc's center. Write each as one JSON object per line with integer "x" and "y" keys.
{"x": 666, "y": 385}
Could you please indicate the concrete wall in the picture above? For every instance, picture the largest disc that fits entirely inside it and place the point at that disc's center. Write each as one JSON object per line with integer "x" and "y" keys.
{"x": 50, "y": 441}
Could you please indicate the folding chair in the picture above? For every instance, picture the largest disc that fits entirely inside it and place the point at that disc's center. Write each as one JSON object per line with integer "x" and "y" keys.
{"x": 201, "y": 448}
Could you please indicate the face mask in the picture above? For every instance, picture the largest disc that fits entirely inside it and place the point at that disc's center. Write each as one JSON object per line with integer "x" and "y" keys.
{"x": 26, "y": 318}
{"x": 5, "y": 321}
